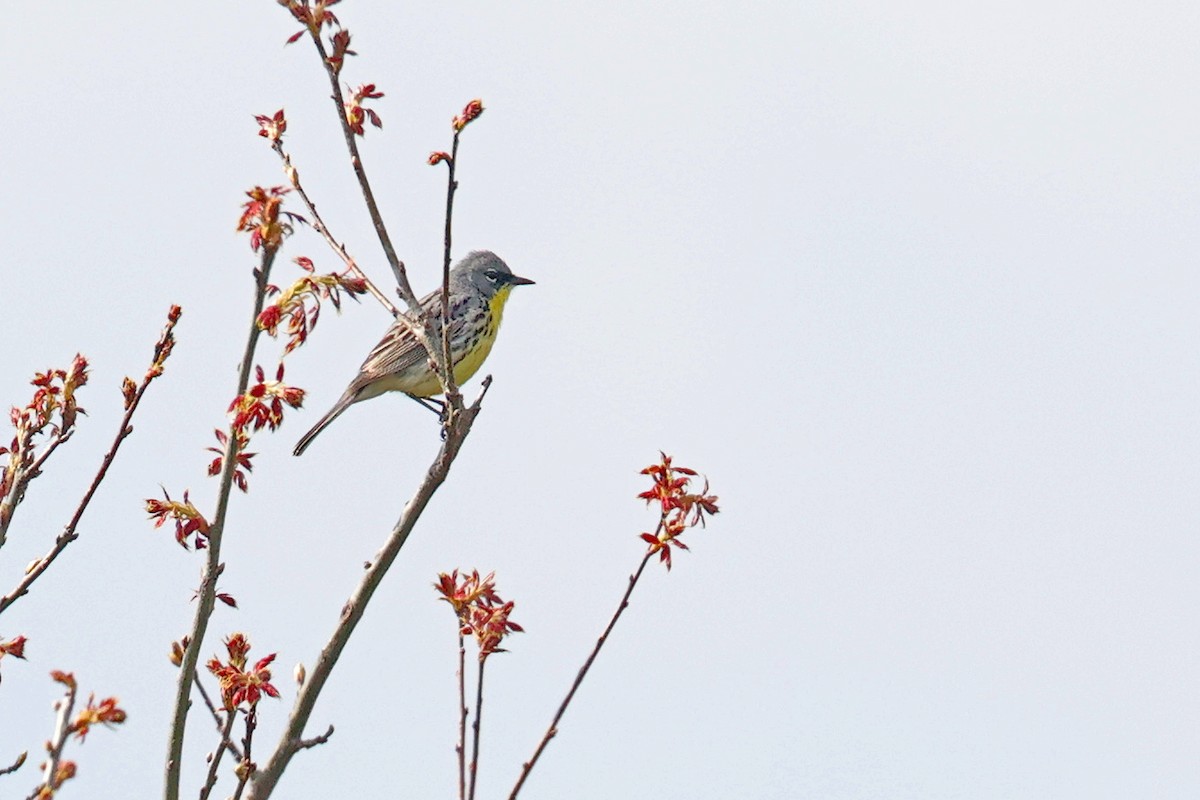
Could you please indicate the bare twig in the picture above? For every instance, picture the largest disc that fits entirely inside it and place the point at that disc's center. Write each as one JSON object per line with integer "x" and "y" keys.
{"x": 475, "y": 727}
{"x": 405, "y": 289}
{"x": 246, "y": 768}
{"x": 16, "y": 765}
{"x": 320, "y": 227}
{"x": 453, "y": 397}
{"x": 461, "y": 748}
{"x": 214, "y": 765}
{"x": 304, "y": 744}
{"x": 267, "y": 777}
{"x": 222, "y": 723}
{"x": 208, "y": 583}
{"x": 161, "y": 350}
{"x": 553, "y": 729}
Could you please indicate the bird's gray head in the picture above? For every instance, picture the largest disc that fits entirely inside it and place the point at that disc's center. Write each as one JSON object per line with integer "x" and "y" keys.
{"x": 484, "y": 272}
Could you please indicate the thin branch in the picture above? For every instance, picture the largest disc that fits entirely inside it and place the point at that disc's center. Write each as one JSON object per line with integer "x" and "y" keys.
{"x": 212, "y": 567}
{"x": 553, "y": 729}
{"x": 267, "y": 777}
{"x": 54, "y": 747}
{"x": 69, "y": 534}
{"x": 405, "y": 289}
{"x": 227, "y": 728}
{"x": 448, "y": 384}
{"x": 320, "y": 227}
{"x": 246, "y": 768}
{"x": 304, "y": 744}
{"x": 23, "y": 476}
{"x": 475, "y": 727}
{"x": 16, "y": 765}
{"x": 222, "y": 723}
{"x": 461, "y": 748}
{"x": 418, "y": 317}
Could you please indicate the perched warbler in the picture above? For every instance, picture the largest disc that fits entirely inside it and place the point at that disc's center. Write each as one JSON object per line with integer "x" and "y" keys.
{"x": 479, "y": 287}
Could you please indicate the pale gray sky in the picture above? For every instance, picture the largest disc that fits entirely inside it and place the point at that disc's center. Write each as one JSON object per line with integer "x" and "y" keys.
{"x": 913, "y": 283}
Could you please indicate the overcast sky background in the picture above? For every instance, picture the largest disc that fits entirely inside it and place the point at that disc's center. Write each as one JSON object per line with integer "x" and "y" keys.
{"x": 914, "y": 285}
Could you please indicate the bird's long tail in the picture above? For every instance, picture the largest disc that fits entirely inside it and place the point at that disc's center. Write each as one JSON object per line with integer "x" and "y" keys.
{"x": 341, "y": 405}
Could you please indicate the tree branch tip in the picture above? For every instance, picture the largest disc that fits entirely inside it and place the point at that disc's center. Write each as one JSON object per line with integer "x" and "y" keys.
{"x": 16, "y": 765}
{"x": 305, "y": 744}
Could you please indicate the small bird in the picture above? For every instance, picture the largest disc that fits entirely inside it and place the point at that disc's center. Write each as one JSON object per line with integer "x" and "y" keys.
{"x": 479, "y": 287}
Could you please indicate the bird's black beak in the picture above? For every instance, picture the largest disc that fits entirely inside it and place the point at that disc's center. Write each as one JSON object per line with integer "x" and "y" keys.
{"x": 517, "y": 280}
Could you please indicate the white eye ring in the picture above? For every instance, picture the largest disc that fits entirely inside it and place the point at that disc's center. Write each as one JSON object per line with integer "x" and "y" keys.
{"x": 491, "y": 275}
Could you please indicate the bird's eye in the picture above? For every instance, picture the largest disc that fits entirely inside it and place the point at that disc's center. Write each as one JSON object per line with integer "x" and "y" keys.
{"x": 491, "y": 275}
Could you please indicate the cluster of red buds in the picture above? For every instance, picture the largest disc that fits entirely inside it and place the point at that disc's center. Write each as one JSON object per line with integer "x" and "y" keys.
{"x": 14, "y": 647}
{"x": 106, "y": 713}
{"x": 357, "y": 113}
{"x": 469, "y": 114}
{"x": 239, "y": 685}
{"x": 162, "y": 351}
{"x": 265, "y": 220}
{"x": 481, "y": 612}
{"x": 679, "y": 508}
{"x": 299, "y": 306}
{"x": 341, "y": 49}
{"x": 189, "y": 522}
{"x": 313, "y": 16}
{"x": 54, "y": 395}
{"x": 53, "y": 409}
{"x": 242, "y": 458}
{"x": 262, "y": 404}
{"x": 273, "y": 127}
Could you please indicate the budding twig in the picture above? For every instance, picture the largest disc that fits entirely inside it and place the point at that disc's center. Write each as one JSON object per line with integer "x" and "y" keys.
{"x": 552, "y": 730}
{"x": 225, "y": 728}
{"x": 448, "y": 385}
{"x": 475, "y": 728}
{"x": 304, "y": 744}
{"x": 212, "y": 567}
{"x": 162, "y": 351}
{"x": 223, "y": 723}
{"x": 461, "y": 748}
{"x": 385, "y": 240}
{"x": 16, "y": 765}
{"x": 54, "y": 748}
{"x": 320, "y": 227}
{"x": 268, "y": 775}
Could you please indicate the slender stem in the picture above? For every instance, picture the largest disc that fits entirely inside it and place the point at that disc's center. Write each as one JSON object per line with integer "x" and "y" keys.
{"x": 212, "y": 566}
{"x": 451, "y": 389}
{"x": 266, "y": 778}
{"x": 406, "y": 292}
{"x": 222, "y": 723}
{"x": 225, "y": 744}
{"x": 246, "y": 768}
{"x": 320, "y": 227}
{"x": 419, "y": 318}
{"x": 461, "y": 749}
{"x": 553, "y": 729}
{"x": 62, "y": 729}
{"x": 304, "y": 744}
{"x": 16, "y": 765}
{"x": 69, "y": 532}
{"x": 22, "y": 477}
{"x": 475, "y": 727}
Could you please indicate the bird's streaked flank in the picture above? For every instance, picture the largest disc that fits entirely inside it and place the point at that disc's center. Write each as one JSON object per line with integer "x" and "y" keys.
{"x": 479, "y": 287}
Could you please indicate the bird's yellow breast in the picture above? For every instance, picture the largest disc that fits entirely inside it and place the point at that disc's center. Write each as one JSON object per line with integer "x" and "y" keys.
{"x": 474, "y": 349}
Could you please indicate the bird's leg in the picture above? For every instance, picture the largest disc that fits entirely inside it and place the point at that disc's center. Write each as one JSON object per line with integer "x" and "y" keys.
{"x": 436, "y": 406}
